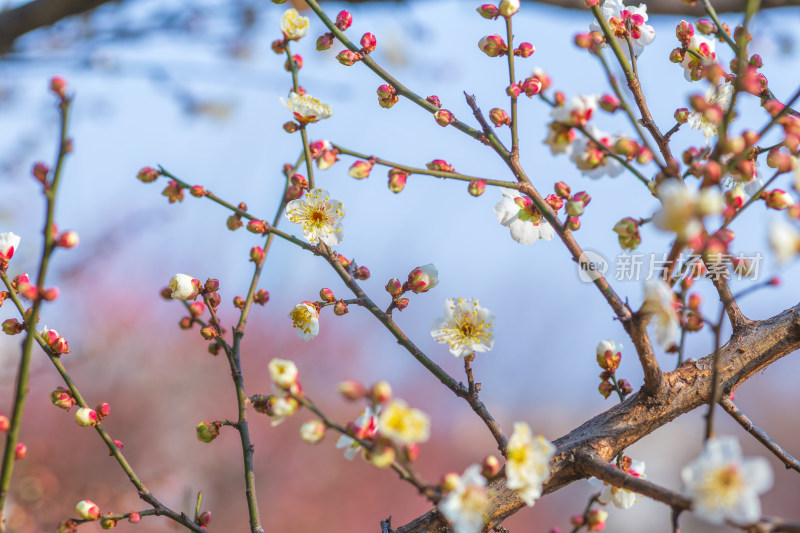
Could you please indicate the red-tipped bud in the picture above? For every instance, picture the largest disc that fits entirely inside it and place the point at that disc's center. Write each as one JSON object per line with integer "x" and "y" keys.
{"x": 368, "y": 42}
{"x": 20, "y": 451}
{"x": 340, "y": 308}
{"x": 40, "y": 171}
{"x": 499, "y": 117}
{"x": 559, "y": 98}
{"x": 423, "y": 278}
{"x": 326, "y": 295}
{"x": 62, "y": 398}
{"x": 148, "y": 175}
{"x": 209, "y": 332}
{"x": 258, "y": 226}
{"x": 694, "y": 301}
{"x": 361, "y": 273}
{"x": 348, "y": 57}
{"x": 573, "y": 223}
{"x": 279, "y": 46}
{"x": 444, "y": 117}
{"x": 343, "y": 20}
{"x": 261, "y": 297}
{"x": 88, "y": 510}
{"x": 207, "y": 431}
{"x": 513, "y": 90}
{"x": 433, "y": 99}
{"x": 705, "y": 27}
{"x": 12, "y": 326}
{"x": 780, "y": 160}
{"x": 488, "y": 11}
{"x": 609, "y": 103}
{"x": 296, "y": 61}
{"x": 476, "y": 187}
{"x": 778, "y": 199}
{"x": 555, "y": 201}
{"x": 198, "y": 191}
{"x": 677, "y": 55}
{"x": 173, "y": 191}
{"x": 49, "y": 294}
{"x": 381, "y": 392}
{"x": 352, "y": 390}
{"x": 525, "y": 50}
{"x": 440, "y": 165}
{"x": 257, "y": 255}
{"x": 103, "y": 410}
{"x": 397, "y": 180}
{"x": 681, "y": 115}
{"x": 86, "y": 417}
{"x": 59, "y": 86}
{"x": 531, "y": 86}
{"x": 562, "y": 189}
{"x": 401, "y": 304}
{"x": 197, "y": 308}
{"x": 684, "y": 32}
{"x": 394, "y": 287}
{"x": 360, "y": 169}
{"x": 493, "y": 46}
{"x": 325, "y": 41}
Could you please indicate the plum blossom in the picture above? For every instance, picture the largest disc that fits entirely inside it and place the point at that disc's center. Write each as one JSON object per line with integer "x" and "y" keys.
{"x": 528, "y": 465}
{"x": 282, "y": 406}
{"x": 702, "y": 47}
{"x": 466, "y": 327}
{"x": 184, "y": 287}
{"x": 305, "y": 318}
{"x": 319, "y": 216}
{"x": 593, "y": 159}
{"x": 658, "y": 304}
{"x": 466, "y": 504}
{"x": 682, "y": 208}
{"x": 293, "y": 25}
{"x": 784, "y": 240}
{"x": 577, "y": 111}
{"x": 364, "y": 427}
{"x": 618, "y": 15}
{"x": 621, "y": 498}
{"x": 9, "y": 243}
{"x": 283, "y": 373}
{"x": 306, "y": 108}
{"x": 718, "y": 95}
{"x": 403, "y": 424}
{"x": 724, "y": 486}
{"x": 521, "y": 217}
{"x": 423, "y": 278}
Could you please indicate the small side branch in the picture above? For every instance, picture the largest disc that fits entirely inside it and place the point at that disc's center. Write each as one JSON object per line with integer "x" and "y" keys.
{"x": 759, "y": 434}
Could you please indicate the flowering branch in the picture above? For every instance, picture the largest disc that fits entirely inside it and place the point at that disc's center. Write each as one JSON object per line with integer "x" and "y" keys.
{"x": 759, "y": 433}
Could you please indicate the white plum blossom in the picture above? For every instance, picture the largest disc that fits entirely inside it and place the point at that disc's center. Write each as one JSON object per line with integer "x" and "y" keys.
{"x": 521, "y": 217}
{"x": 577, "y": 110}
{"x": 423, "y": 278}
{"x": 9, "y": 243}
{"x": 283, "y": 373}
{"x": 528, "y": 465}
{"x": 365, "y": 427}
{"x": 719, "y": 95}
{"x": 465, "y": 506}
{"x": 319, "y": 216}
{"x": 404, "y": 424}
{"x": 621, "y": 498}
{"x": 312, "y": 431}
{"x": 283, "y": 406}
{"x": 305, "y": 317}
{"x": 724, "y": 486}
{"x": 293, "y": 25}
{"x": 784, "y": 239}
{"x": 617, "y": 15}
{"x": 184, "y": 287}
{"x": 594, "y": 161}
{"x": 466, "y": 327}
{"x": 682, "y": 208}
{"x": 703, "y": 47}
{"x": 306, "y": 108}
{"x": 658, "y": 304}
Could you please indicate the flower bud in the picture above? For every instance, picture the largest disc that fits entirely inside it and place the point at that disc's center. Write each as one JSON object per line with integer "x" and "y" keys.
{"x": 257, "y": 255}
{"x": 490, "y": 466}
{"x": 348, "y": 57}
{"x": 705, "y": 27}
{"x": 234, "y": 222}
{"x": 325, "y": 41}
{"x": 780, "y": 160}
{"x": 508, "y": 8}
{"x": 394, "y": 287}
{"x": 605, "y": 388}
{"x": 148, "y": 175}
{"x": 40, "y": 171}
{"x": 209, "y": 332}
{"x": 312, "y": 431}
{"x": 12, "y": 326}
{"x": 525, "y": 50}
{"x": 238, "y": 302}
{"x": 573, "y": 223}
{"x": 62, "y": 398}
{"x": 684, "y": 32}
{"x": 103, "y": 410}
{"x": 397, "y": 180}
{"x": 401, "y": 303}
{"x": 340, "y": 308}
{"x": 493, "y": 45}
{"x": 488, "y": 11}
{"x": 682, "y": 115}
{"x": 279, "y": 46}
{"x": 207, "y": 431}
{"x": 562, "y": 189}
{"x": 258, "y": 226}
{"x": 59, "y": 87}
{"x": 531, "y": 86}
{"x": 677, "y": 55}
{"x": 352, "y": 390}
{"x": 291, "y": 127}
{"x": 625, "y": 387}
{"x": 361, "y": 273}
{"x": 382, "y": 455}
{"x": 86, "y": 417}
{"x": 20, "y": 451}
{"x": 88, "y": 510}
{"x": 360, "y": 169}
{"x": 343, "y": 20}
{"x": 609, "y": 103}
{"x": 368, "y": 42}
{"x": 433, "y": 99}
{"x": 203, "y": 519}
{"x": 554, "y": 201}
{"x": 628, "y": 231}
{"x": 499, "y": 117}
{"x": 295, "y": 61}
{"x": 778, "y": 199}
{"x": 327, "y": 158}
{"x": 574, "y": 208}
{"x": 326, "y": 295}
{"x": 381, "y": 392}
{"x": 443, "y": 117}
{"x": 513, "y": 90}
{"x": 423, "y": 278}
{"x": 440, "y": 165}
{"x": 476, "y": 187}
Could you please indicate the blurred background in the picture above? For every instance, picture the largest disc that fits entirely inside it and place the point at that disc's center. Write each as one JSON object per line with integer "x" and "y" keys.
{"x": 195, "y": 87}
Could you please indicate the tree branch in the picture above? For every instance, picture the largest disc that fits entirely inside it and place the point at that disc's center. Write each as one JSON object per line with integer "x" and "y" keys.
{"x": 757, "y": 345}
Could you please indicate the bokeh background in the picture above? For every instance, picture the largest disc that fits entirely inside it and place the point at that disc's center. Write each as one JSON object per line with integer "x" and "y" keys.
{"x": 195, "y": 87}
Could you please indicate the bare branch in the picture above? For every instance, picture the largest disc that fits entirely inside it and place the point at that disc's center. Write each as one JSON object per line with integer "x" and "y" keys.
{"x": 759, "y": 434}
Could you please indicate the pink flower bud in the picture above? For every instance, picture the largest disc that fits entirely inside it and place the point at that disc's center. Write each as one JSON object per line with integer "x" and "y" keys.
{"x": 360, "y": 169}
{"x": 684, "y": 32}
{"x": 312, "y": 431}
{"x": 343, "y": 20}
{"x": 103, "y": 410}
{"x": 490, "y": 466}
{"x": 20, "y": 451}
{"x": 197, "y": 308}
{"x": 381, "y": 392}
{"x": 368, "y": 42}
{"x": 352, "y": 390}
{"x": 488, "y": 11}
{"x": 86, "y": 417}
{"x": 605, "y": 388}
{"x": 348, "y": 57}
{"x": 573, "y": 223}
{"x": 531, "y": 86}
{"x": 296, "y": 61}
{"x": 279, "y": 46}
{"x": 257, "y": 255}
{"x": 677, "y": 55}
{"x": 327, "y": 158}
{"x": 493, "y": 45}
{"x": 476, "y": 187}
{"x": 148, "y": 175}
{"x": 705, "y": 27}
{"x": 59, "y": 86}
{"x": 780, "y": 160}
{"x": 40, "y": 171}
{"x": 397, "y": 180}
{"x": 778, "y": 199}
{"x": 394, "y": 287}
{"x": 325, "y": 41}
{"x": 198, "y": 191}
{"x": 173, "y": 191}
{"x": 525, "y": 50}
{"x": 423, "y": 278}
{"x": 12, "y": 326}
{"x": 609, "y": 103}
{"x": 5, "y": 423}
{"x": 340, "y": 308}
{"x": 440, "y": 165}
{"x": 556, "y": 202}
{"x": 513, "y": 90}
{"x": 562, "y": 189}
{"x": 499, "y": 117}
{"x": 258, "y": 226}
{"x": 88, "y": 510}
{"x": 443, "y": 117}
{"x": 401, "y": 304}
{"x": 361, "y": 273}
{"x": 60, "y": 346}
{"x": 433, "y": 99}
{"x": 134, "y": 518}
{"x": 62, "y": 398}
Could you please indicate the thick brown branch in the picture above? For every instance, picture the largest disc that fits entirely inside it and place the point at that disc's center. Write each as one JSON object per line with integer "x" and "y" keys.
{"x": 759, "y": 434}
{"x": 757, "y": 345}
